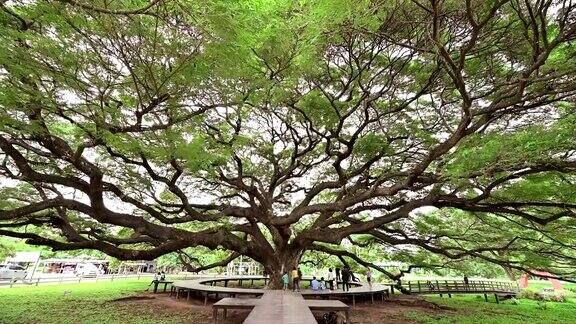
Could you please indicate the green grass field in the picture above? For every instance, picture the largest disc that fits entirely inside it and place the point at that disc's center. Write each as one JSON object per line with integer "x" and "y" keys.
{"x": 85, "y": 303}
{"x": 473, "y": 309}
{"x": 95, "y": 303}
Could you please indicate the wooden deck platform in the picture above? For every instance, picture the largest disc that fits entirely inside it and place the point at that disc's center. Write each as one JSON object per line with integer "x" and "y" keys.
{"x": 500, "y": 289}
{"x": 250, "y": 303}
{"x": 209, "y": 287}
{"x": 232, "y": 303}
{"x": 281, "y": 307}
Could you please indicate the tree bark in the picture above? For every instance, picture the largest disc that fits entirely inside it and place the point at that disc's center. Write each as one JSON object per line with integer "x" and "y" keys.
{"x": 510, "y": 273}
{"x": 283, "y": 262}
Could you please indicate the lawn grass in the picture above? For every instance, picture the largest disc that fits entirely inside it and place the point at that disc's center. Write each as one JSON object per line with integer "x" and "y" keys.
{"x": 85, "y": 303}
{"x": 473, "y": 309}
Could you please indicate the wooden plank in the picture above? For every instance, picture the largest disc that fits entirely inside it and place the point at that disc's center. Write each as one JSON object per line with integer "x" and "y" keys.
{"x": 232, "y": 303}
{"x": 320, "y": 303}
{"x": 224, "y": 302}
{"x": 281, "y": 307}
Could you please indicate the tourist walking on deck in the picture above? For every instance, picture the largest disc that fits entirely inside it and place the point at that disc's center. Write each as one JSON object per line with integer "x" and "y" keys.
{"x": 338, "y": 278}
{"x": 346, "y": 279}
{"x": 466, "y": 281}
{"x": 285, "y": 280}
{"x": 369, "y": 276}
{"x": 295, "y": 280}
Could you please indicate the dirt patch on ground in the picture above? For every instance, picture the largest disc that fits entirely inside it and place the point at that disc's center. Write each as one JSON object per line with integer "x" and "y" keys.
{"x": 417, "y": 302}
{"x": 194, "y": 311}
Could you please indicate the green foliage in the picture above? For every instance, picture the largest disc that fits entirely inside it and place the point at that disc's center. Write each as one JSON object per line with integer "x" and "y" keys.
{"x": 371, "y": 144}
{"x": 318, "y": 109}
{"x": 530, "y": 145}
{"x": 543, "y": 296}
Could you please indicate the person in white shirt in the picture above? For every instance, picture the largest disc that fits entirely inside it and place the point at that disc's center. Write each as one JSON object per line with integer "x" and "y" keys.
{"x": 330, "y": 278}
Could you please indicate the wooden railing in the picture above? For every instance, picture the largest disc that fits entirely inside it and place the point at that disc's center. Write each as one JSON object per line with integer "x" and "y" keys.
{"x": 458, "y": 286}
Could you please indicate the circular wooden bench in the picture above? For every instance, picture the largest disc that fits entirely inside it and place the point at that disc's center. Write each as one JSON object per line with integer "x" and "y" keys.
{"x": 209, "y": 286}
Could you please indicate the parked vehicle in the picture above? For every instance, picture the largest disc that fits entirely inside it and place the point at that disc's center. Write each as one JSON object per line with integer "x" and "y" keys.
{"x": 11, "y": 271}
{"x": 87, "y": 270}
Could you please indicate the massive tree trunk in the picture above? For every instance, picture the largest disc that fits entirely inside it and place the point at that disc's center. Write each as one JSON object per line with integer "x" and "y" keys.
{"x": 282, "y": 262}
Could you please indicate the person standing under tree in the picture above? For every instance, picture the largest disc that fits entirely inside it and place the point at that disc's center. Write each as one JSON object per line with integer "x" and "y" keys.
{"x": 330, "y": 278}
{"x": 295, "y": 280}
{"x": 285, "y": 280}
{"x": 369, "y": 276}
{"x": 346, "y": 279}
{"x": 466, "y": 281}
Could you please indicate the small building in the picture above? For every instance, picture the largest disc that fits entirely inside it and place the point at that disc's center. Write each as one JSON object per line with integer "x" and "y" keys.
{"x": 23, "y": 258}
{"x": 244, "y": 267}
{"x": 69, "y": 265}
{"x": 28, "y": 260}
{"x": 128, "y": 267}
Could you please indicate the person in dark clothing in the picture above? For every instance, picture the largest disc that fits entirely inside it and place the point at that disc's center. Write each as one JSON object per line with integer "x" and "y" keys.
{"x": 338, "y": 278}
{"x": 346, "y": 279}
{"x": 466, "y": 280}
{"x": 352, "y": 276}
{"x": 155, "y": 280}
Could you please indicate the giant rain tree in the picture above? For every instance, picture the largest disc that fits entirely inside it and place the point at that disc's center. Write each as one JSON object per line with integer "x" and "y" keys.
{"x": 271, "y": 128}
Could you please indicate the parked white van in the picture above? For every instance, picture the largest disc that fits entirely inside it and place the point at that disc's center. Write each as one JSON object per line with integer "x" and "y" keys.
{"x": 11, "y": 271}
{"x": 87, "y": 270}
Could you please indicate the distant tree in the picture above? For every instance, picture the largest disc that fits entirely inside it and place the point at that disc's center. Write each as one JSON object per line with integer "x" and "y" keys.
{"x": 432, "y": 130}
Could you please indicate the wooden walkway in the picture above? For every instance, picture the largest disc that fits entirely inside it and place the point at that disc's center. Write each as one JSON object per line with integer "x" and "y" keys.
{"x": 500, "y": 289}
{"x": 281, "y": 307}
{"x": 226, "y": 304}
{"x": 459, "y": 287}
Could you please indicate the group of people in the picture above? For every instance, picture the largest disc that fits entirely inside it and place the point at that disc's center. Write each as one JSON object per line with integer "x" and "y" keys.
{"x": 333, "y": 277}
{"x": 158, "y": 277}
